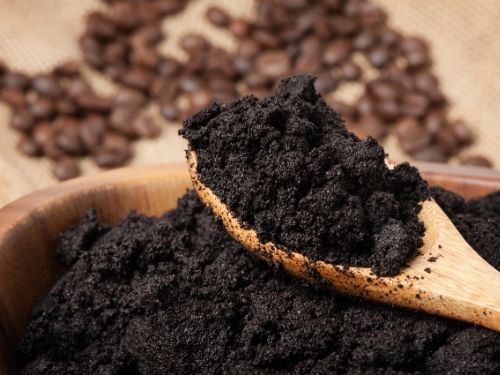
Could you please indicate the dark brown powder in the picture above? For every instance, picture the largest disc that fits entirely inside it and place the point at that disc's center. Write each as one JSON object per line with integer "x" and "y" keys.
{"x": 177, "y": 295}
{"x": 287, "y": 166}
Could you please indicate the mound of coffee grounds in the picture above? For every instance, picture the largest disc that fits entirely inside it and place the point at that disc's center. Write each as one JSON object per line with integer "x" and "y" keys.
{"x": 287, "y": 166}
{"x": 177, "y": 295}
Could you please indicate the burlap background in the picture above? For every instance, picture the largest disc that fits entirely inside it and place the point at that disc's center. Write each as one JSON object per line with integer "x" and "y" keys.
{"x": 37, "y": 34}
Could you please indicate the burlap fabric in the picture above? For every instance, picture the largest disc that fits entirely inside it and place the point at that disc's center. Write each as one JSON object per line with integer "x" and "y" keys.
{"x": 35, "y": 35}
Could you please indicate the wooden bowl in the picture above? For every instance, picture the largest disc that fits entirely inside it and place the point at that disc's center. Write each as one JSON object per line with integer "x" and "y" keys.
{"x": 30, "y": 226}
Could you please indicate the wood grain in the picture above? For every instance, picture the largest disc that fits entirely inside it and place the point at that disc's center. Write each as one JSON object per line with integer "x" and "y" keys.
{"x": 30, "y": 226}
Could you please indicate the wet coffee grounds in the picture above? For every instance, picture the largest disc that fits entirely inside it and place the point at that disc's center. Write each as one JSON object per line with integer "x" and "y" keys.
{"x": 286, "y": 166}
{"x": 177, "y": 295}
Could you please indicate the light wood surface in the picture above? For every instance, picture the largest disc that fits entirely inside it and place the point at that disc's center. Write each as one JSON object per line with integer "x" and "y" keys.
{"x": 30, "y": 226}
{"x": 458, "y": 284}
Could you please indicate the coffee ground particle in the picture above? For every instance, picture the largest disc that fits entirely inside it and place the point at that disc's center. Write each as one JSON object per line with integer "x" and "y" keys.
{"x": 177, "y": 295}
{"x": 287, "y": 166}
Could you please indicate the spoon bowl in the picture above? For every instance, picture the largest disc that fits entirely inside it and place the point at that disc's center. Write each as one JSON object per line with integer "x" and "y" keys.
{"x": 446, "y": 278}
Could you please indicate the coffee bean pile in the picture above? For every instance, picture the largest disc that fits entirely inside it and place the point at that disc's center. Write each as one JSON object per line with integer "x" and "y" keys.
{"x": 340, "y": 41}
{"x": 122, "y": 43}
{"x": 62, "y": 118}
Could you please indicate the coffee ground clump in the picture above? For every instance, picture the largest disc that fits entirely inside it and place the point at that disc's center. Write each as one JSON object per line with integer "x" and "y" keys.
{"x": 177, "y": 295}
{"x": 287, "y": 166}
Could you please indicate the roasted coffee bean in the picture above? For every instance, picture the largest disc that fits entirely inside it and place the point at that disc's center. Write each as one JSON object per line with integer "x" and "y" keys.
{"x": 219, "y": 64}
{"x": 462, "y": 132}
{"x": 411, "y": 135}
{"x": 294, "y": 4}
{"x": 273, "y": 64}
{"x": 42, "y": 108}
{"x": 476, "y": 160}
{"x": 42, "y": 132}
{"x": 414, "y": 104}
{"x": 121, "y": 119}
{"x": 371, "y": 15}
{"x": 343, "y": 26}
{"x": 345, "y": 110}
{"x": 217, "y": 16}
{"x": 373, "y": 126}
{"x": 93, "y": 102}
{"x": 310, "y": 46}
{"x": 113, "y": 152}
{"x": 164, "y": 89}
{"x": 129, "y": 97}
{"x": 222, "y": 85}
{"x": 91, "y": 131}
{"x": 239, "y": 27}
{"x": 46, "y": 85}
{"x": 147, "y": 12}
{"x": 435, "y": 121}
{"x": 67, "y": 135}
{"x": 200, "y": 99}
{"x": 325, "y": 83}
{"x": 308, "y": 64}
{"x": 193, "y": 43}
{"x": 350, "y": 71}
{"x": 168, "y": 7}
{"x": 379, "y": 56}
{"x": 168, "y": 67}
{"x": 389, "y": 37}
{"x": 428, "y": 84}
{"x": 13, "y": 97}
{"x": 115, "y": 72}
{"x": 13, "y": 80}
{"x": 22, "y": 120}
{"x": 388, "y": 109}
{"x": 170, "y": 111}
{"x": 190, "y": 83}
{"x": 248, "y": 48}
{"x": 365, "y": 105}
{"x": 77, "y": 87}
{"x": 146, "y": 57}
{"x": 364, "y": 40}
{"x": 323, "y": 27}
{"x": 138, "y": 78}
{"x": 28, "y": 146}
{"x": 67, "y": 69}
{"x": 147, "y": 36}
{"x": 124, "y": 15}
{"x": 242, "y": 65}
{"x": 383, "y": 89}
{"x": 50, "y": 148}
{"x": 415, "y": 51}
{"x": 65, "y": 106}
{"x": 266, "y": 39}
{"x": 336, "y": 52}
{"x": 92, "y": 51}
{"x": 255, "y": 79}
{"x": 66, "y": 168}
{"x": 115, "y": 53}
{"x": 399, "y": 77}
{"x": 333, "y": 5}
{"x": 447, "y": 141}
{"x": 100, "y": 26}
{"x": 146, "y": 127}
{"x": 432, "y": 153}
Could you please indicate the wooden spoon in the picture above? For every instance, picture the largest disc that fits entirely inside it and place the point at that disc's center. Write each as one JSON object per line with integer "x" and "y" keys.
{"x": 446, "y": 278}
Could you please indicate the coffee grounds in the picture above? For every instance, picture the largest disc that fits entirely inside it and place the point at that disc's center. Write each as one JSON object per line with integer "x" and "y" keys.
{"x": 287, "y": 166}
{"x": 177, "y": 295}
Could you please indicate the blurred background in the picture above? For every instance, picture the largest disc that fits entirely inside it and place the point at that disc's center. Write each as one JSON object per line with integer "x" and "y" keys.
{"x": 422, "y": 76}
